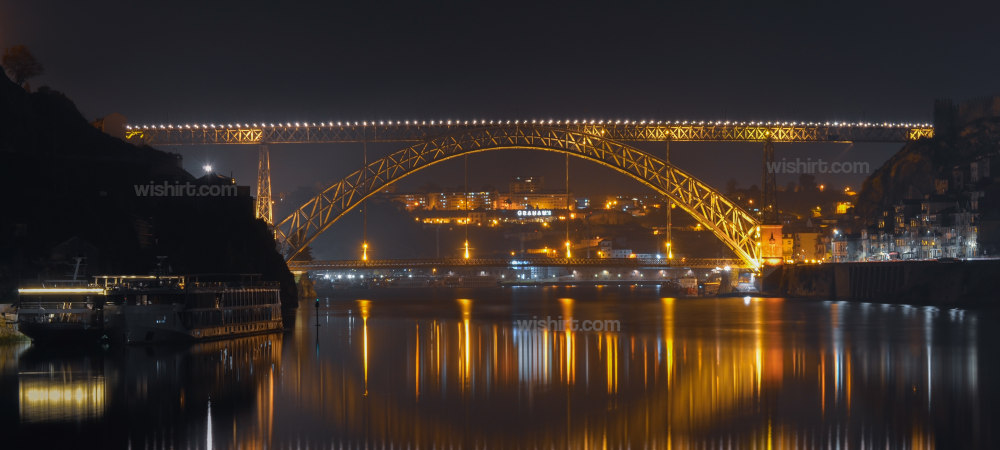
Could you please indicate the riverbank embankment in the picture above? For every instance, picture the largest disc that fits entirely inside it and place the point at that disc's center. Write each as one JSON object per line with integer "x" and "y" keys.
{"x": 966, "y": 283}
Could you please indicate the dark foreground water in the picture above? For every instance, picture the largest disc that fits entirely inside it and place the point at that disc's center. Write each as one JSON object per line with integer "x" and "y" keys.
{"x": 453, "y": 369}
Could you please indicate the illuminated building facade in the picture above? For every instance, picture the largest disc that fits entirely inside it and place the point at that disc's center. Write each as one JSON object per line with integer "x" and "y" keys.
{"x": 525, "y": 193}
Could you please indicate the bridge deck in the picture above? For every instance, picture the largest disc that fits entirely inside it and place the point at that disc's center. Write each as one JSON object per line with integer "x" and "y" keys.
{"x": 516, "y": 263}
{"x": 415, "y": 131}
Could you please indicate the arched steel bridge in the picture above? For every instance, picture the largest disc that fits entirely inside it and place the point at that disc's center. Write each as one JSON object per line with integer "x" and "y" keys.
{"x": 598, "y": 141}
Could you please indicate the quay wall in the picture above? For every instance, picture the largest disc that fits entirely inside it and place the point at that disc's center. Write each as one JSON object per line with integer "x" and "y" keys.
{"x": 960, "y": 283}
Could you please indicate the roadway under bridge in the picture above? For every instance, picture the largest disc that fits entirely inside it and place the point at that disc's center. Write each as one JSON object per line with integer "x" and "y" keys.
{"x": 517, "y": 263}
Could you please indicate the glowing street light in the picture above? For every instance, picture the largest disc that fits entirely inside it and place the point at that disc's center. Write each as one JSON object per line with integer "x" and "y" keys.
{"x": 568, "y": 253}
{"x": 207, "y": 168}
{"x": 670, "y": 251}
{"x": 466, "y": 256}
{"x": 364, "y": 251}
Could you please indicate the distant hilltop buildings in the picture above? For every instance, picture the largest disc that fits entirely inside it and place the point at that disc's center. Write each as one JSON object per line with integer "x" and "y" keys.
{"x": 945, "y": 224}
{"x": 959, "y": 217}
{"x": 112, "y": 124}
{"x": 524, "y": 193}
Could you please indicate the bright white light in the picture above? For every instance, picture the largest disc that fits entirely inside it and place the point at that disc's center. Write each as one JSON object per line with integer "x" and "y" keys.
{"x": 207, "y": 167}
{"x": 44, "y": 291}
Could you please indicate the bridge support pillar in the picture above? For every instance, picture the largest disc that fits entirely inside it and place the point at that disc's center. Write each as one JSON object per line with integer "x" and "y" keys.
{"x": 768, "y": 203}
{"x": 263, "y": 204}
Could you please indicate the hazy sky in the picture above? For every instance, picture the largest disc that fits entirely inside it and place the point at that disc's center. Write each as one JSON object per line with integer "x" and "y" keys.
{"x": 274, "y": 61}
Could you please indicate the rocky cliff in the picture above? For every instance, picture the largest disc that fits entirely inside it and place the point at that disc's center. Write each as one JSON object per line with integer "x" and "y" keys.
{"x": 912, "y": 171}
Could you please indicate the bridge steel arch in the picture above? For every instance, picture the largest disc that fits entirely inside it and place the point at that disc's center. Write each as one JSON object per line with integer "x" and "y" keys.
{"x": 734, "y": 226}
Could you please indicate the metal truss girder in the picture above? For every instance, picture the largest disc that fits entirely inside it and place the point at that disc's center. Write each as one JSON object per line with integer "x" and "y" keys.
{"x": 632, "y": 132}
{"x": 263, "y": 204}
{"x": 730, "y": 223}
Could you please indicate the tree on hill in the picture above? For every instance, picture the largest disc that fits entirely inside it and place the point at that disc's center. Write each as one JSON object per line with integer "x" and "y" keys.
{"x": 21, "y": 65}
{"x": 807, "y": 182}
{"x": 732, "y": 186}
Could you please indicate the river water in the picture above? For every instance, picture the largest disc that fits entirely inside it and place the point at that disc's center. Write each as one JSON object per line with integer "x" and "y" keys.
{"x": 463, "y": 368}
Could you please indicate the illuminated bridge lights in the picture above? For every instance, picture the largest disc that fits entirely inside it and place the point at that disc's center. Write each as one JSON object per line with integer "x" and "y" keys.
{"x": 619, "y": 129}
{"x": 478, "y": 122}
{"x": 522, "y": 262}
{"x": 602, "y": 141}
{"x": 60, "y": 291}
{"x": 727, "y": 221}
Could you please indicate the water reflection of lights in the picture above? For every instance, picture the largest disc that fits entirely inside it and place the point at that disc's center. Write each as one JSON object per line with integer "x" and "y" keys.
{"x": 154, "y": 394}
{"x": 568, "y": 345}
{"x": 465, "y": 365}
{"x": 46, "y": 398}
{"x": 416, "y": 364}
{"x": 208, "y": 426}
{"x": 611, "y": 358}
{"x": 364, "y": 306}
{"x": 837, "y": 338}
{"x": 668, "y": 335}
{"x": 758, "y": 344}
{"x": 676, "y": 377}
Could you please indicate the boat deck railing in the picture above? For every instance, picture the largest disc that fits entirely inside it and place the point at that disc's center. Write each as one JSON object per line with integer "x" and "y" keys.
{"x": 54, "y": 307}
{"x": 234, "y": 285}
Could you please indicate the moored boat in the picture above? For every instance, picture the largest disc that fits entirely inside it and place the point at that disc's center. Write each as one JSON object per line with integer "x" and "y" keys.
{"x": 184, "y": 309}
{"x": 70, "y": 312}
{"x": 151, "y": 309}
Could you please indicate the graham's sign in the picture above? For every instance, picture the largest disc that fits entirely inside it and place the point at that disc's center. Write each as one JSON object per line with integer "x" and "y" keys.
{"x": 534, "y": 212}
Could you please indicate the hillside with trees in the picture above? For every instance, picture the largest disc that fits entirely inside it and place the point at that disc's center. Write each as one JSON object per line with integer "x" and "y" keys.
{"x": 69, "y": 192}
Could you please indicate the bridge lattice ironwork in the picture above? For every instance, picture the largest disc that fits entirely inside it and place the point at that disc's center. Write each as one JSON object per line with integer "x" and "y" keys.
{"x": 731, "y": 224}
{"x": 415, "y": 131}
{"x": 597, "y": 140}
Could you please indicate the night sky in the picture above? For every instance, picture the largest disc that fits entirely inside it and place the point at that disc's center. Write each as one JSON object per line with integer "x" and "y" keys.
{"x": 272, "y": 61}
